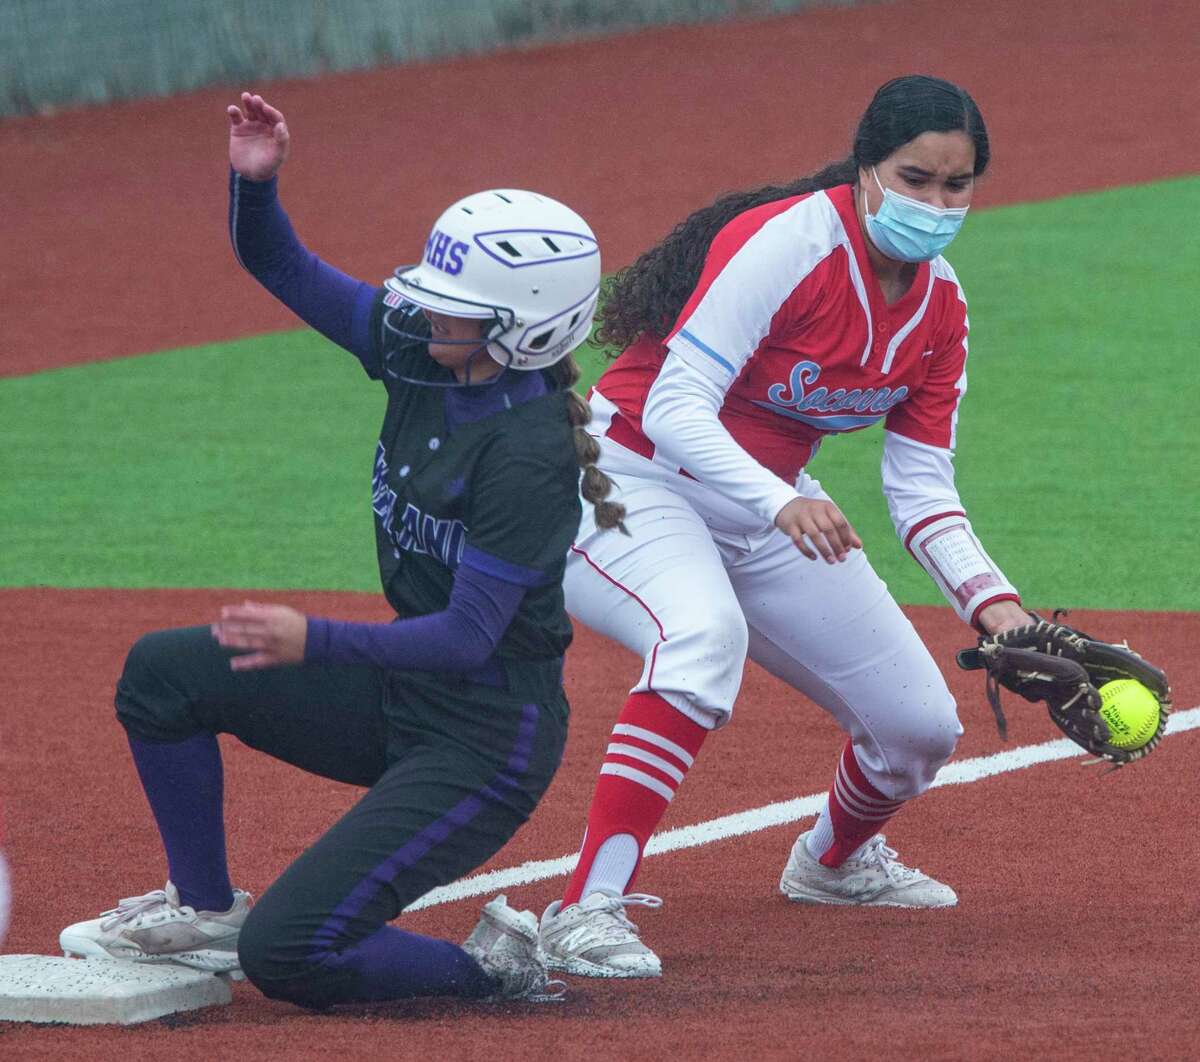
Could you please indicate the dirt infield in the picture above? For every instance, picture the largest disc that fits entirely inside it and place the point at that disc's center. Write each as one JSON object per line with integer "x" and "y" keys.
{"x": 1029, "y": 963}
{"x": 115, "y": 241}
{"x": 1077, "y": 935}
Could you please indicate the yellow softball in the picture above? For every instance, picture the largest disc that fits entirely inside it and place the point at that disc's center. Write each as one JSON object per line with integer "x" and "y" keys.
{"x": 1131, "y": 712}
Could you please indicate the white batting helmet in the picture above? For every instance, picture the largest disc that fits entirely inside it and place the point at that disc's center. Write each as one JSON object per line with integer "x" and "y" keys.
{"x": 520, "y": 258}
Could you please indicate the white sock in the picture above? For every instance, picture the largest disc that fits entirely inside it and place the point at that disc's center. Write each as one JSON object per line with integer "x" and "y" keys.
{"x": 615, "y": 862}
{"x": 820, "y": 837}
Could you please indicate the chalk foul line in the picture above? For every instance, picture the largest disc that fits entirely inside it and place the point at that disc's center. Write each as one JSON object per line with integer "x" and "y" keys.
{"x": 961, "y": 772}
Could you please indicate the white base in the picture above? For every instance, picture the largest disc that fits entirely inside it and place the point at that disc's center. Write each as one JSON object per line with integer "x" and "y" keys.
{"x": 43, "y": 988}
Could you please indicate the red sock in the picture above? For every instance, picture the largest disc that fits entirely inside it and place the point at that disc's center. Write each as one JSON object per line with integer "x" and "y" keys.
{"x": 652, "y": 747}
{"x": 857, "y": 810}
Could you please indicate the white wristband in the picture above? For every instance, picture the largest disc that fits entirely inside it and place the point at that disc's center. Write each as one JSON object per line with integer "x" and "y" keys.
{"x": 949, "y": 551}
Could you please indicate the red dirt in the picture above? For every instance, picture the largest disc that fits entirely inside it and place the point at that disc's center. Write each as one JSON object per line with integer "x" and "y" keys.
{"x": 115, "y": 244}
{"x": 115, "y": 238}
{"x": 1045, "y": 859}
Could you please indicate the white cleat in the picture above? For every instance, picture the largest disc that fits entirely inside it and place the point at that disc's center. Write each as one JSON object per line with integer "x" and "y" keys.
{"x": 156, "y": 928}
{"x": 505, "y": 944}
{"x": 594, "y": 938}
{"x": 873, "y": 877}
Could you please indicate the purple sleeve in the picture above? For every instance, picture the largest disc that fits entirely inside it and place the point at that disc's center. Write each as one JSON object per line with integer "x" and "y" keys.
{"x": 266, "y": 245}
{"x": 460, "y": 638}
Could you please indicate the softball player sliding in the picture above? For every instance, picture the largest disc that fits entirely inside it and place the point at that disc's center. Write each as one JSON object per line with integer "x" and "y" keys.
{"x": 761, "y": 325}
{"x": 454, "y": 715}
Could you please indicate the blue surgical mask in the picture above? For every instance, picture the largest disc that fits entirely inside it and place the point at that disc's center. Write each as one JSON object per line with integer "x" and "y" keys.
{"x": 907, "y": 229}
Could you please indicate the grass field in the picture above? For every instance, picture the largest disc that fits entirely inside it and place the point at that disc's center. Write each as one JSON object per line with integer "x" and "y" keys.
{"x": 247, "y": 464}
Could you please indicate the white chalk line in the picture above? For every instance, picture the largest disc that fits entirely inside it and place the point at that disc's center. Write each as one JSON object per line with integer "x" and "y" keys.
{"x": 777, "y": 814}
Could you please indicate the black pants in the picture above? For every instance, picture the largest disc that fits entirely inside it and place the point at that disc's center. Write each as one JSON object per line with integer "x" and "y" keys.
{"x": 453, "y": 770}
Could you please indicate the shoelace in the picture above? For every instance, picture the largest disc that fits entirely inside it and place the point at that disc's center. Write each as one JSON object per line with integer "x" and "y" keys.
{"x": 621, "y": 925}
{"x": 878, "y": 854}
{"x": 132, "y": 908}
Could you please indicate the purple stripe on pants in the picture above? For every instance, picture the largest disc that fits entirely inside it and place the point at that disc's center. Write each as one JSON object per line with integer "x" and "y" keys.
{"x": 437, "y": 832}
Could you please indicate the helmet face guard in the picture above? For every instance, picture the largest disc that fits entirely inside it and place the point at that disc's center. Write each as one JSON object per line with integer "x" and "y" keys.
{"x": 397, "y": 320}
{"x": 523, "y": 263}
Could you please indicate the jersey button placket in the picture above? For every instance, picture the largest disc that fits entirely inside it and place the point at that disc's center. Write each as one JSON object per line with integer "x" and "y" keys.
{"x": 879, "y": 347}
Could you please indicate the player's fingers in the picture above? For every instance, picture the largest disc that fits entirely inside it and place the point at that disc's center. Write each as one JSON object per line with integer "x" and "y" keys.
{"x": 799, "y": 541}
{"x": 252, "y": 661}
{"x": 233, "y": 639}
{"x": 828, "y": 553}
{"x": 235, "y": 114}
{"x": 816, "y": 535}
{"x": 839, "y": 539}
{"x": 845, "y": 530}
{"x": 828, "y": 532}
{"x": 247, "y": 611}
{"x": 838, "y": 530}
{"x": 249, "y": 627}
{"x": 253, "y": 110}
{"x": 273, "y": 114}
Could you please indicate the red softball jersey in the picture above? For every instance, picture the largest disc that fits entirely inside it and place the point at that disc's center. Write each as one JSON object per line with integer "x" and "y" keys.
{"x": 789, "y": 318}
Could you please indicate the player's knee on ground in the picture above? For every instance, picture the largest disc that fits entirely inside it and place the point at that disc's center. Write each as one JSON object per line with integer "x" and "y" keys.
{"x": 279, "y": 956}
{"x": 148, "y": 703}
{"x": 278, "y": 964}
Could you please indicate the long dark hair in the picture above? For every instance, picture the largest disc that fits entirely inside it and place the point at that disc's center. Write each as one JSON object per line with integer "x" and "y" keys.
{"x": 649, "y": 295}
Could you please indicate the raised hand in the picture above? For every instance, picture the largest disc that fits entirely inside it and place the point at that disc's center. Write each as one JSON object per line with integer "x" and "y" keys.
{"x": 823, "y": 524}
{"x": 259, "y": 141}
{"x": 274, "y": 635}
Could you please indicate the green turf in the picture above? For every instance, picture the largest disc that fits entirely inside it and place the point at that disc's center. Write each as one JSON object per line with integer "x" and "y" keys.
{"x": 248, "y": 464}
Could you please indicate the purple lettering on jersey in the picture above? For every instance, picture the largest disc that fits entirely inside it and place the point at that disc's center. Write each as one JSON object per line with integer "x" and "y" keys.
{"x": 434, "y": 534}
{"x": 409, "y": 536}
{"x": 417, "y": 533}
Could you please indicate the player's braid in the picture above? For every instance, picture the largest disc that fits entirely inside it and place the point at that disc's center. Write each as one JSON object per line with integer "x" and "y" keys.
{"x": 595, "y": 486}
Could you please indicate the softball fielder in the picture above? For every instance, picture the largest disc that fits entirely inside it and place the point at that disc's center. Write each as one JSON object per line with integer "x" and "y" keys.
{"x": 454, "y": 715}
{"x": 760, "y": 326}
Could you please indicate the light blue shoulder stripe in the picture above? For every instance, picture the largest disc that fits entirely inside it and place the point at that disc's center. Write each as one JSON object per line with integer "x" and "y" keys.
{"x": 829, "y": 423}
{"x": 706, "y": 348}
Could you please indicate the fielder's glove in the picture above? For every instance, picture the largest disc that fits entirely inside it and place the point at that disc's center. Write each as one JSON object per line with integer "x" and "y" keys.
{"x": 1050, "y": 662}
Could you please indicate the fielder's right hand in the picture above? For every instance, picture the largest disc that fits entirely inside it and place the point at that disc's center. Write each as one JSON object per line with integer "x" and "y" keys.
{"x": 823, "y": 524}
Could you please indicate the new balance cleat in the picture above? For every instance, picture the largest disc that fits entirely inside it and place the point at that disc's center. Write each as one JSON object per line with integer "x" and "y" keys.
{"x": 595, "y": 938}
{"x": 157, "y": 928}
{"x": 872, "y": 877}
{"x": 505, "y": 944}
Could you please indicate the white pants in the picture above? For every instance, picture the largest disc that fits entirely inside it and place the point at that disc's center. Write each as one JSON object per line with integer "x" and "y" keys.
{"x": 693, "y": 595}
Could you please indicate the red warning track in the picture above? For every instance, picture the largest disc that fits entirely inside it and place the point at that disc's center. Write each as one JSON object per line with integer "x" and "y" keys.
{"x": 1077, "y": 933}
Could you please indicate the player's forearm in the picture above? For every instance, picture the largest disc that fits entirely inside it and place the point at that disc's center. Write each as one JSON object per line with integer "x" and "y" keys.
{"x": 462, "y": 637}
{"x": 266, "y": 245}
{"x": 918, "y": 481}
{"x": 681, "y": 419}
